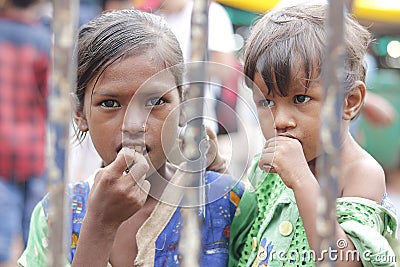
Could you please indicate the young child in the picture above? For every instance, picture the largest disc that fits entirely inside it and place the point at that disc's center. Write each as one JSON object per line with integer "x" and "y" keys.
{"x": 275, "y": 224}
{"x": 129, "y": 91}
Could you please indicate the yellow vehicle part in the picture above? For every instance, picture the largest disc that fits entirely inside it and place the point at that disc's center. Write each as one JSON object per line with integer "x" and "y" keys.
{"x": 372, "y": 10}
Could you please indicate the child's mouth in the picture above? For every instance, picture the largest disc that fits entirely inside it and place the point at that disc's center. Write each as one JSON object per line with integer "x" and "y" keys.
{"x": 142, "y": 149}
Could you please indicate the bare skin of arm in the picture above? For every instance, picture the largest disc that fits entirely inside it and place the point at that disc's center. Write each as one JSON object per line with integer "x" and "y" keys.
{"x": 114, "y": 197}
{"x": 285, "y": 156}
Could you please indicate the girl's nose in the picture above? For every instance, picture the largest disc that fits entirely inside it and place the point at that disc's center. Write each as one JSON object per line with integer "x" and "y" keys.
{"x": 136, "y": 127}
{"x": 283, "y": 119}
{"x": 135, "y": 120}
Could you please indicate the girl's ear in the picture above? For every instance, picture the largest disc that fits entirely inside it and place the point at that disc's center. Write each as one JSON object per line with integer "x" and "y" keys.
{"x": 354, "y": 100}
{"x": 81, "y": 122}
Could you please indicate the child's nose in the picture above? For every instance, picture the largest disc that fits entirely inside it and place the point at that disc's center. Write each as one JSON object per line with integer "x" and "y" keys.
{"x": 283, "y": 119}
{"x": 135, "y": 121}
{"x": 134, "y": 127}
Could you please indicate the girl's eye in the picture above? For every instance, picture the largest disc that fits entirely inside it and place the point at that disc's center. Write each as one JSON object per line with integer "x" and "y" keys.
{"x": 267, "y": 103}
{"x": 155, "y": 101}
{"x": 301, "y": 99}
{"x": 110, "y": 104}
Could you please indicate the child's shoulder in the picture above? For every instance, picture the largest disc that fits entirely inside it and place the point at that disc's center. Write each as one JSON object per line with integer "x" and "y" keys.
{"x": 362, "y": 176}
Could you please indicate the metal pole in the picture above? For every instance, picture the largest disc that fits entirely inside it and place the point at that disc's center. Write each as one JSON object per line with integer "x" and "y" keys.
{"x": 194, "y": 146}
{"x": 63, "y": 80}
{"x": 328, "y": 166}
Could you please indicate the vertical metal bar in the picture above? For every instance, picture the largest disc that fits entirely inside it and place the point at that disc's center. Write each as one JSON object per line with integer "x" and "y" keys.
{"x": 63, "y": 80}
{"x": 194, "y": 146}
{"x": 328, "y": 166}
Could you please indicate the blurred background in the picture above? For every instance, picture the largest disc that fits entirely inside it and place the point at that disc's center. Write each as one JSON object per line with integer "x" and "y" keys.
{"x": 377, "y": 129}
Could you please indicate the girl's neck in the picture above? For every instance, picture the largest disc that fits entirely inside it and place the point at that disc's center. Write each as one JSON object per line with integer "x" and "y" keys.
{"x": 160, "y": 178}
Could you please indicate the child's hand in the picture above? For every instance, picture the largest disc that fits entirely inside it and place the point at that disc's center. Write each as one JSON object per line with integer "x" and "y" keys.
{"x": 116, "y": 194}
{"x": 215, "y": 161}
{"x": 284, "y": 155}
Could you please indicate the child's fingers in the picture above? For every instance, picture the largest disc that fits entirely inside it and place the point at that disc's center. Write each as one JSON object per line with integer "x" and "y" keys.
{"x": 266, "y": 162}
{"x": 124, "y": 159}
{"x": 137, "y": 169}
{"x": 144, "y": 190}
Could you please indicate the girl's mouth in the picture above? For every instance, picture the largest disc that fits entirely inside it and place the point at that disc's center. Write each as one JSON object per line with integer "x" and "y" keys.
{"x": 142, "y": 149}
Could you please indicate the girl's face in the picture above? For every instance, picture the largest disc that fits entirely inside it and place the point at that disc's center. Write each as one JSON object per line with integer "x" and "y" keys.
{"x": 126, "y": 109}
{"x": 296, "y": 115}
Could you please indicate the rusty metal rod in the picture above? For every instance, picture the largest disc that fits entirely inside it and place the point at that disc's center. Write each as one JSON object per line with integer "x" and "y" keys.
{"x": 62, "y": 81}
{"x": 328, "y": 165}
{"x": 194, "y": 146}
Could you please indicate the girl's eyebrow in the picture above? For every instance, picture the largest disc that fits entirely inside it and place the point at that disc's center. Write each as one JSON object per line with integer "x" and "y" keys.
{"x": 108, "y": 94}
{"x": 160, "y": 89}
{"x": 156, "y": 89}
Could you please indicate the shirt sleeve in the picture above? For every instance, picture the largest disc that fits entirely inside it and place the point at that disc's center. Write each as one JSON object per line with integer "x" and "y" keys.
{"x": 371, "y": 228}
{"x": 35, "y": 252}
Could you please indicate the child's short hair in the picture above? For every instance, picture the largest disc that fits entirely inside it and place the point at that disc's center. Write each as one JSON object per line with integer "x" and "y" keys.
{"x": 121, "y": 33}
{"x": 290, "y": 42}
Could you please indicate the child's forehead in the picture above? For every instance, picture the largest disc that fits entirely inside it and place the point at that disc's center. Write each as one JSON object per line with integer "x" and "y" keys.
{"x": 284, "y": 82}
{"x": 137, "y": 72}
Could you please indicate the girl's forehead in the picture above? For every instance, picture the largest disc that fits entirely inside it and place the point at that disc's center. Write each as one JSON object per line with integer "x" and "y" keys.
{"x": 133, "y": 72}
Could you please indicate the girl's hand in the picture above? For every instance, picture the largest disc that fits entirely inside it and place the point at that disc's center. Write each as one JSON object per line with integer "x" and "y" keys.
{"x": 117, "y": 194}
{"x": 215, "y": 161}
{"x": 284, "y": 155}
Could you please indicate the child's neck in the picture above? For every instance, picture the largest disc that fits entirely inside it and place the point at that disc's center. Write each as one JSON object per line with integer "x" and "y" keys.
{"x": 312, "y": 166}
{"x": 160, "y": 179}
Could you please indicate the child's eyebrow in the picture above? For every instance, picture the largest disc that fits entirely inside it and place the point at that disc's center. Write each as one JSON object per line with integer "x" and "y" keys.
{"x": 299, "y": 89}
{"x": 108, "y": 93}
{"x": 156, "y": 89}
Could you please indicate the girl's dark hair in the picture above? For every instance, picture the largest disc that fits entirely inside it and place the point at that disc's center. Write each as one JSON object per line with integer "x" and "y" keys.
{"x": 292, "y": 39}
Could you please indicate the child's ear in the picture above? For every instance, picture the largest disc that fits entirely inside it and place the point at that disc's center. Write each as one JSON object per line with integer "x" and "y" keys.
{"x": 354, "y": 101}
{"x": 81, "y": 122}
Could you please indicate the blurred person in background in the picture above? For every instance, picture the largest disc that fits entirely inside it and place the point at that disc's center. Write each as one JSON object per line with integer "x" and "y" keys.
{"x": 110, "y": 5}
{"x": 88, "y": 9}
{"x": 24, "y": 72}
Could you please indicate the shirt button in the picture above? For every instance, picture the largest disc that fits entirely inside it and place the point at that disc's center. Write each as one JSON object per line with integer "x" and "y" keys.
{"x": 285, "y": 228}
{"x": 254, "y": 243}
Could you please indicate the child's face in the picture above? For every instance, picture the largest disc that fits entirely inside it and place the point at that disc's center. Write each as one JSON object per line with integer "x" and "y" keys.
{"x": 118, "y": 109}
{"x": 296, "y": 115}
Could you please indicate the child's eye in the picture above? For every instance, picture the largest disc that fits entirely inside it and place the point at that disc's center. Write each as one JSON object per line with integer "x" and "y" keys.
{"x": 301, "y": 99}
{"x": 267, "y": 103}
{"x": 109, "y": 104}
{"x": 155, "y": 101}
